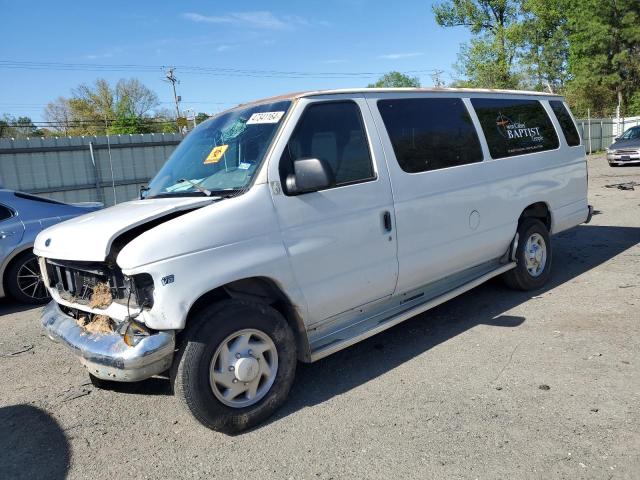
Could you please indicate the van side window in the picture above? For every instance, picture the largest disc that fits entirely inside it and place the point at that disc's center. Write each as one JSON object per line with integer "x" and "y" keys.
{"x": 430, "y": 133}
{"x": 334, "y": 132}
{"x": 566, "y": 123}
{"x": 5, "y": 213}
{"x": 515, "y": 127}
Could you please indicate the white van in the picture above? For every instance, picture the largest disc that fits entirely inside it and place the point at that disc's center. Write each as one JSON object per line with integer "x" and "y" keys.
{"x": 293, "y": 227}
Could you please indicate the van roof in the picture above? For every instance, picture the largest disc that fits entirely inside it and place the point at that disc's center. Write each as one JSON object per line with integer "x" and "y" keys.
{"x": 313, "y": 93}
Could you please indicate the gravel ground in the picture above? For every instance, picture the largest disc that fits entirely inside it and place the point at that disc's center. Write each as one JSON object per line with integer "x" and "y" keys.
{"x": 493, "y": 384}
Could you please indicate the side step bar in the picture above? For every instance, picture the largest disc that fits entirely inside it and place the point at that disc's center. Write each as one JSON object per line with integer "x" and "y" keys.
{"x": 405, "y": 315}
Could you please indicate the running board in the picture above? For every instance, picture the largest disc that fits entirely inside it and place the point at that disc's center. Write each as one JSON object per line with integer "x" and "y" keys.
{"x": 381, "y": 325}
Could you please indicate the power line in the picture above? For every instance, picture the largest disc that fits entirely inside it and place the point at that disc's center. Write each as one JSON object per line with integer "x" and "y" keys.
{"x": 190, "y": 69}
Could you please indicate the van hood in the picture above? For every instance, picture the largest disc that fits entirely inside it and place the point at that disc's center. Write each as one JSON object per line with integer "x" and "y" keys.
{"x": 89, "y": 237}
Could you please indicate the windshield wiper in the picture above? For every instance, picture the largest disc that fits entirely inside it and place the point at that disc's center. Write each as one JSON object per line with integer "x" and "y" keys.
{"x": 196, "y": 186}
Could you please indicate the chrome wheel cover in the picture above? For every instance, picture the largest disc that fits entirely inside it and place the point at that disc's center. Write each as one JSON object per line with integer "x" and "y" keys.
{"x": 535, "y": 255}
{"x": 243, "y": 368}
{"x": 30, "y": 280}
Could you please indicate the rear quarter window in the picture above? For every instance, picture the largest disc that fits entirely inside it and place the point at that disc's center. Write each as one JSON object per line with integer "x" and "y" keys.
{"x": 5, "y": 213}
{"x": 430, "y": 133}
{"x": 566, "y": 123}
{"x": 515, "y": 126}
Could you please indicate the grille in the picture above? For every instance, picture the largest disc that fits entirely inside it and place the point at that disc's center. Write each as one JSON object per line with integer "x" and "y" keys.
{"x": 626, "y": 152}
{"x": 75, "y": 281}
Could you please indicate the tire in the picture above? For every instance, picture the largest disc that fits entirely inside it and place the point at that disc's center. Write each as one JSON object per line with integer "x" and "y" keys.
{"x": 201, "y": 360}
{"x": 535, "y": 273}
{"x": 24, "y": 280}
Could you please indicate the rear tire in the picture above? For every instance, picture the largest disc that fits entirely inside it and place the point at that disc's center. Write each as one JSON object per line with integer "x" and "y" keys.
{"x": 236, "y": 366}
{"x": 24, "y": 280}
{"x": 533, "y": 257}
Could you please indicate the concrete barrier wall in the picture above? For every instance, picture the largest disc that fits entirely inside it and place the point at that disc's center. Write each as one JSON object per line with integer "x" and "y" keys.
{"x": 65, "y": 169}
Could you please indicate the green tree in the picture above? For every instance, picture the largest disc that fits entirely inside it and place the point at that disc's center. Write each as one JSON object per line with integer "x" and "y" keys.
{"x": 604, "y": 55}
{"x": 20, "y": 127}
{"x": 634, "y": 104}
{"x": 201, "y": 117}
{"x": 395, "y": 80}
{"x": 99, "y": 108}
{"x": 488, "y": 59}
{"x": 545, "y": 47}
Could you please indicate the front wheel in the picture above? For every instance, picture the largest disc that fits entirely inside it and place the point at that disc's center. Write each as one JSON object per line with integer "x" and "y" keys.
{"x": 24, "y": 280}
{"x": 236, "y": 366}
{"x": 533, "y": 257}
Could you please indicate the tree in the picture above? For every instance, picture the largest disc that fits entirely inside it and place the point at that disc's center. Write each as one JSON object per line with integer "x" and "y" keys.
{"x": 545, "y": 47}
{"x": 395, "y": 80}
{"x": 604, "y": 54}
{"x": 488, "y": 60}
{"x": 99, "y": 108}
{"x": 20, "y": 127}
{"x": 58, "y": 113}
{"x": 201, "y": 117}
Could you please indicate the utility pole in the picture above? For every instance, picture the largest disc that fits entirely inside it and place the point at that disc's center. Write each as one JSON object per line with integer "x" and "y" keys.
{"x": 173, "y": 80}
{"x": 437, "y": 82}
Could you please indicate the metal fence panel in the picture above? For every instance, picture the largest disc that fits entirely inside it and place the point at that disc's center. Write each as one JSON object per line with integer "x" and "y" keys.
{"x": 78, "y": 169}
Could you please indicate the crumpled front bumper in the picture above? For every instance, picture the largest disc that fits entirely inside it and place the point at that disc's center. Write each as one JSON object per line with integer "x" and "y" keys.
{"x": 105, "y": 355}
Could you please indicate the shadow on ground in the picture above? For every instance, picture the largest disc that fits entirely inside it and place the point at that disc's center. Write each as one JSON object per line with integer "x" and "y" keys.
{"x": 575, "y": 252}
{"x": 8, "y": 306}
{"x": 32, "y": 444}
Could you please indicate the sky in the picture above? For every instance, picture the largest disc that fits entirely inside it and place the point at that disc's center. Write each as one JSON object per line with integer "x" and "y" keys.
{"x": 331, "y": 43}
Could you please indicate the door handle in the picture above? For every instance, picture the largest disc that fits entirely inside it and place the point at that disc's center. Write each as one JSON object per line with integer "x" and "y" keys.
{"x": 4, "y": 235}
{"x": 386, "y": 220}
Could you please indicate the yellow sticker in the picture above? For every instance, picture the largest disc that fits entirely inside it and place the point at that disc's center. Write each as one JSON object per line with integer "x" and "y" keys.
{"x": 216, "y": 154}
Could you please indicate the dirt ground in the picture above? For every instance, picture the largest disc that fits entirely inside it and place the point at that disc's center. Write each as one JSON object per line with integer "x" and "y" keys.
{"x": 493, "y": 384}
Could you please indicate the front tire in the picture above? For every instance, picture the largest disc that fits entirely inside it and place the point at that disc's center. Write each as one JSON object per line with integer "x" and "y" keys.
{"x": 533, "y": 257}
{"x": 236, "y": 366}
{"x": 24, "y": 280}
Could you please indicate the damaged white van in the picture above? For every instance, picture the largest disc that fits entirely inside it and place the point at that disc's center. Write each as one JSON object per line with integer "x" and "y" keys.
{"x": 293, "y": 227}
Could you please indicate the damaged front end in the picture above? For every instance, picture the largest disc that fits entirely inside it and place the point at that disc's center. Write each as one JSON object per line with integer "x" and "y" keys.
{"x": 94, "y": 313}
{"x": 107, "y": 355}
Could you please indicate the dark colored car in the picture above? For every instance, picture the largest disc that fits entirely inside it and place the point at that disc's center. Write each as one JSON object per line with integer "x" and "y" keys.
{"x": 625, "y": 150}
{"x": 22, "y": 217}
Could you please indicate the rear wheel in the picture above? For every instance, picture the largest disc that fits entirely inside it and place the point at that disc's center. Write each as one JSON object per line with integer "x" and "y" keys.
{"x": 236, "y": 366}
{"x": 533, "y": 257}
{"x": 24, "y": 280}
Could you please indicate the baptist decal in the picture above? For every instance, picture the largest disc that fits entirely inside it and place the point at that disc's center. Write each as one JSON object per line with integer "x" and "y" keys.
{"x": 512, "y": 130}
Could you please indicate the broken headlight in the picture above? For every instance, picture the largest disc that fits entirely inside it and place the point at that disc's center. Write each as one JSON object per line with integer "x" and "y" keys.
{"x": 143, "y": 289}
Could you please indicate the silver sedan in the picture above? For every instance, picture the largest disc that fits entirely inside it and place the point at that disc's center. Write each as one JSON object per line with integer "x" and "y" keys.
{"x": 22, "y": 217}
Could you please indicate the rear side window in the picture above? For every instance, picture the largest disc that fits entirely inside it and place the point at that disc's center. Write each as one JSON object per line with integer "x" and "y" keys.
{"x": 515, "y": 127}
{"x": 566, "y": 123}
{"x": 430, "y": 133}
{"x": 5, "y": 213}
{"x": 333, "y": 132}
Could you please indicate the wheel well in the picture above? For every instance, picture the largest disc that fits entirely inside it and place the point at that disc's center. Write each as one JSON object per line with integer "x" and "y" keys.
{"x": 261, "y": 290}
{"x": 538, "y": 210}
{"x": 8, "y": 266}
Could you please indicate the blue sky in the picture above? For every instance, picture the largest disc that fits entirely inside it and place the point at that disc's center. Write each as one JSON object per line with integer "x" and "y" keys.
{"x": 311, "y": 36}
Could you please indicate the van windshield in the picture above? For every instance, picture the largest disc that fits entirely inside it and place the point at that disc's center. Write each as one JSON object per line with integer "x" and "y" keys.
{"x": 221, "y": 154}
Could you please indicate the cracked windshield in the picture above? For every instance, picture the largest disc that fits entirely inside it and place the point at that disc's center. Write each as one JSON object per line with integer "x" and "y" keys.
{"x": 221, "y": 155}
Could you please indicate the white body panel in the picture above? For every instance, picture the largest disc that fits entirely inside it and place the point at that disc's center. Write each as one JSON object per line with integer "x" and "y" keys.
{"x": 340, "y": 253}
{"x": 328, "y": 251}
{"x": 89, "y": 237}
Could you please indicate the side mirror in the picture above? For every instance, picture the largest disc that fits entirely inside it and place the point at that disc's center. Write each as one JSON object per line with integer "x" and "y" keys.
{"x": 310, "y": 175}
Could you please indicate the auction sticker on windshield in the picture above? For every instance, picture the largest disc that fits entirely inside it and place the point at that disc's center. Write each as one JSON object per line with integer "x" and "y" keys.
{"x": 216, "y": 154}
{"x": 265, "y": 117}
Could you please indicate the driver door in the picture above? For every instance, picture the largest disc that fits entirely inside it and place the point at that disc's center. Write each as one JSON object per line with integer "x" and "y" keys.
{"x": 341, "y": 240}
